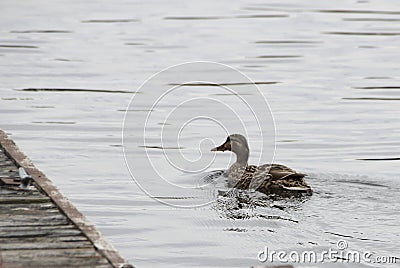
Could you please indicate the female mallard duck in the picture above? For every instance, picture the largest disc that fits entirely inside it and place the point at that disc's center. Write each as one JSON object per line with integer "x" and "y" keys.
{"x": 268, "y": 179}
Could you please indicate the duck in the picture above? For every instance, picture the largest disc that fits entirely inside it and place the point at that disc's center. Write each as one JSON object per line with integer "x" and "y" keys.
{"x": 270, "y": 179}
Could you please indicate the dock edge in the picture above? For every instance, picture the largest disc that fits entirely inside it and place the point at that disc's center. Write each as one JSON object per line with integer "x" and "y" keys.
{"x": 66, "y": 207}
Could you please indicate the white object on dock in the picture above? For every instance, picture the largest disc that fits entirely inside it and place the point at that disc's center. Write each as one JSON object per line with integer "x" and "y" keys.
{"x": 25, "y": 179}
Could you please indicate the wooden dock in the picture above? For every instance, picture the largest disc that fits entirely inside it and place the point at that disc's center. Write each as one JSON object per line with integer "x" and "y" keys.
{"x": 39, "y": 227}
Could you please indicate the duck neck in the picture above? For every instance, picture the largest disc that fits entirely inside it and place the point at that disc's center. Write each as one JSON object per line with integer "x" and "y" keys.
{"x": 242, "y": 157}
{"x": 235, "y": 171}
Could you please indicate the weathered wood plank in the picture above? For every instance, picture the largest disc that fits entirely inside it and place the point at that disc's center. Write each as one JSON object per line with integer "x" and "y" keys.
{"x": 45, "y": 239}
{"x": 32, "y": 228}
{"x": 44, "y": 245}
{"x": 37, "y": 206}
{"x": 28, "y": 210}
{"x": 15, "y": 190}
{"x": 24, "y": 200}
{"x": 9, "y": 212}
{"x": 21, "y": 220}
{"x": 39, "y": 231}
{"x": 47, "y": 218}
{"x": 53, "y": 258}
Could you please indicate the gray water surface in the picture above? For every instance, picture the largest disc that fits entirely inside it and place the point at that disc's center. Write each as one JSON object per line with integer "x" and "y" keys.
{"x": 329, "y": 70}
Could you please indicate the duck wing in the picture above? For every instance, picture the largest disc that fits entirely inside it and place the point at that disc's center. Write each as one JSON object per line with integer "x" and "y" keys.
{"x": 287, "y": 181}
{"x": 260, "y": 177}
{"x": 264, "y": 174}
{"x": 279, "y": 167}
{"x": 281, "y": 172}
{"x": 280, "y": 179}
{"x": 273, "y": 179}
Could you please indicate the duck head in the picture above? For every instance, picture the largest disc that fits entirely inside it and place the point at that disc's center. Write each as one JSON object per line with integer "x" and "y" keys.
{"x": 237, "y": 144}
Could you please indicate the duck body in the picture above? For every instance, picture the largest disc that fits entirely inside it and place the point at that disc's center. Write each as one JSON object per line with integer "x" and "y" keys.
{"x": 269, "y": 179}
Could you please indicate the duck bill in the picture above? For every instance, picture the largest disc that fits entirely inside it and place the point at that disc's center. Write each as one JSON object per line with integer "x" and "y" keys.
{"x": 220, "y": 148}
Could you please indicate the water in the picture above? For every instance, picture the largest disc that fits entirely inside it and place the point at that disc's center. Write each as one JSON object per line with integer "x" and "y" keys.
{"x": 329, "y": 71}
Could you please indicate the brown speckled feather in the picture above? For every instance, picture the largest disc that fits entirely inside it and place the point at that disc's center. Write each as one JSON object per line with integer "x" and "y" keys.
{"x": 273, "y": 178}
